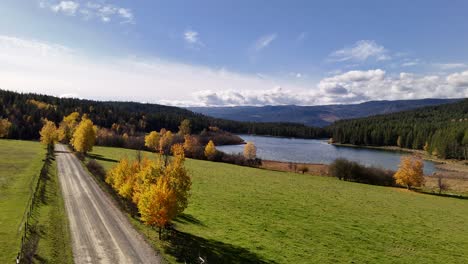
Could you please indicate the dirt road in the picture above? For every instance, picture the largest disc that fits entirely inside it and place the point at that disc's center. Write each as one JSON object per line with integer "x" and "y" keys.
{"x": 100, "y": 232}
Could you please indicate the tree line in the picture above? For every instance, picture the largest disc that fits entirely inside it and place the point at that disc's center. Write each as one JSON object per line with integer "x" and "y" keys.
{"x": 25, "y": 112}
{"x": 440, "y": 130}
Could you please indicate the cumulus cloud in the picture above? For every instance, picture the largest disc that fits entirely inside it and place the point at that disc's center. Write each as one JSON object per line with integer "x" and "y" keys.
{"x": 264, "y": 41}
{"x": 360, "y": 51}
{"x": 458, "y": 80}
{"x": 58, "y": 70}
{"x": 274, "y": 96}
{"x": 101, "y": 11}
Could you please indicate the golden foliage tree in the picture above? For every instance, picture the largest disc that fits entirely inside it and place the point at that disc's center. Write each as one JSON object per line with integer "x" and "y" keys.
{"x": 4, "y": 127}
{"x": 122, "y": 177}
{"x": 49, "y": 134}
{"x": 185, "y": 127}
{"x": 410, "y": 172}
{"x": 158, "y": 204}
{"x": 67, "y": 127}
{"x": 191, "y": 146}
{"x": 149, "y": 173}
{"x": 152, "y": 140}
{"x": 165, "y": 142}
{"x": 84, "y": 137}
{"x": 159, "y": 190}
{"x": 210, "y": 150}
{"x": 179, "y": 178}
{"x": 250, "y": 151}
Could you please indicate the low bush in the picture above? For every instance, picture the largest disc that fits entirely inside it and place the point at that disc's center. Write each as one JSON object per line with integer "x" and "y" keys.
{"x": 352, "y": 171}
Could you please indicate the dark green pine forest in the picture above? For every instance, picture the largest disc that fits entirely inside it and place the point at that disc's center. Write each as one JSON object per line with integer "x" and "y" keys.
{"x": 440, "y": 130}
{"x": 26, "y": 112}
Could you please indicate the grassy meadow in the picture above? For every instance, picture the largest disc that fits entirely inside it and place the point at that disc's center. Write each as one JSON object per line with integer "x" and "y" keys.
{"x": 20, "y": 165}
{"x": 246, "y": 215}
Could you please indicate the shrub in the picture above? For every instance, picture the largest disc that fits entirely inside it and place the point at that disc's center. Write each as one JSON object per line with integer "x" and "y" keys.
{"x": 303, "y": 169}
{"x": 96, "y": 169}
{"x": 239, "y": 159}
{"x": 352, "y": 171}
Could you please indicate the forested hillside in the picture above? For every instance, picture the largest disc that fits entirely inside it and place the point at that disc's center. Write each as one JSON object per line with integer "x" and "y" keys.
{"x": 440, "y": 130}
{"x": 316, "y": 115}
{"x": 26, "y": 111}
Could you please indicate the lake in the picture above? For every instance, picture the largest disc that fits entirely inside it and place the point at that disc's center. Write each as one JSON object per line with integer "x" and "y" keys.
{"x": 319, "y": 151}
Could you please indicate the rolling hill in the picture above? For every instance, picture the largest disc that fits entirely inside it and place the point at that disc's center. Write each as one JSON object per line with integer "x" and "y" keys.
{"x": 318, "y": 116}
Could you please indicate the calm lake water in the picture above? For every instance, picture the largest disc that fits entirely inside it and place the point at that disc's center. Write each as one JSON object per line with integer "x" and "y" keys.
{"x": 319, "y": 151}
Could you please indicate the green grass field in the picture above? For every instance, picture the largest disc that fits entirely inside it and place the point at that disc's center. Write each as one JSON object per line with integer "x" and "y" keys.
{"x": 241, "y": 215}
{"x": 20, "y": 165}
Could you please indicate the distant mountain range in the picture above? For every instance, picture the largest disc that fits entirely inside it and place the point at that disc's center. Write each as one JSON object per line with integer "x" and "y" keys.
{"x": 318, "y": 116}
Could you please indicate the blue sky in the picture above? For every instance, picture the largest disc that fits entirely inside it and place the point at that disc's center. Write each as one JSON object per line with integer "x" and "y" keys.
{"x": 235, "y": 52}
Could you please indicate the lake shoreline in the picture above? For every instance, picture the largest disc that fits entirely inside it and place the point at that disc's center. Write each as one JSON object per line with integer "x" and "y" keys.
{"x": 446, "y": 166}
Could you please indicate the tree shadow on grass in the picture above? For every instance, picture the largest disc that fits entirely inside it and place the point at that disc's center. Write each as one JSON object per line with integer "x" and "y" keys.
{"x": 188, "y": 248}
{"x": 188, "y": 219}
{"x": 448, "y": 195}
{"x": 100, "y": 157}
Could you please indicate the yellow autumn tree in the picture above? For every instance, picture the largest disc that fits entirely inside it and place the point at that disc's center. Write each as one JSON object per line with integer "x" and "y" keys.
{"x": 250, "y": 151}
{"x": 157, "y": 206}
{"x": 152, "y": 140}
{"x": 49, "y": 134}
{"x": 67, "y": 127}
{"x": 4, "y": 127}
{"x": 165, "y": 142}
{"x": 191, "y": 146}
{"x": 84, "y": 137}
{"x": 410, "y": 172}
{"x": 179, "y": 178}
{"x": 149, "y": 173}
{"x": 185, "y": 127}
{"x": 210, "y": 150}
{"x": 122, "y": 177}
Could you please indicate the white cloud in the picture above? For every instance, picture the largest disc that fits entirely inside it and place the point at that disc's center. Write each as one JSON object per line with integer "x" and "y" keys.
{"x": 101, "y": 11}
{"x": 458, "y": 80}
{"x": 451, "y": 66}
{"x": 264, "y": 41}
{"x": 409, "y": 63}
{"x": 191, "y": 36}
{"x": 58, "y": 70}
{"x": 67, "y": 7}
{"x": 361, "y": 51}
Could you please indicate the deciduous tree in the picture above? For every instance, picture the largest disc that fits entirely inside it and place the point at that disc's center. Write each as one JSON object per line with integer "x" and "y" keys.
{"x": 158, "y": 205}
{"x": 179, "y": 178}
{"x": 191, "y": 146}
{"x": 49, "y": 134}
{"x": 4, "y": 127}
{"x": 67, "y": 127}
{"x": 152, "y": 140}
{"x": 210, "y": 150}
{"x": 165, "y": 142}
{"x": 84, "y": 136}
{"x": 410, "y": 173}
{"x": 250, "y": 150}
{"x": 185, "y": 127}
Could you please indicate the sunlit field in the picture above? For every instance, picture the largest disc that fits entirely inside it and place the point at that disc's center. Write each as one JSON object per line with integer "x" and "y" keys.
{"x": 239, "y": 214}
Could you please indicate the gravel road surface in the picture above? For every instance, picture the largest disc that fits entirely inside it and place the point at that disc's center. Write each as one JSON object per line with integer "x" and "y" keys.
{"x": 101, "y": 233}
